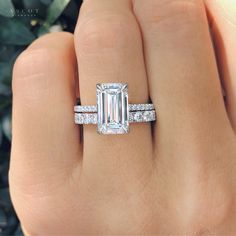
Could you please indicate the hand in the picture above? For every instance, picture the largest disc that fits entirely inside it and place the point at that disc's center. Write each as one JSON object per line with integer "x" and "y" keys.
{"x": 177, "y": 176}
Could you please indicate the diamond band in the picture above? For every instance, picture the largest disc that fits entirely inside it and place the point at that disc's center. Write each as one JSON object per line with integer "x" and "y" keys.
{"x": 141, "y": 107}
{"x": 139, "y": 116}
{"x": 113, "y": 114}
{"x": 132, "y": 107}
{"x": 85, "y": 108}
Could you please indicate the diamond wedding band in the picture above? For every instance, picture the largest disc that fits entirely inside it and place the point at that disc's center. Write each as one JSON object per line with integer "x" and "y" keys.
{"x": 112, "y": 114}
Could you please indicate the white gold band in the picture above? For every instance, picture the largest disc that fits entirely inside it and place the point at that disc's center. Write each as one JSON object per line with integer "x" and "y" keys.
{"x": 132, "y": 107}
{"x": 134, "y": 116}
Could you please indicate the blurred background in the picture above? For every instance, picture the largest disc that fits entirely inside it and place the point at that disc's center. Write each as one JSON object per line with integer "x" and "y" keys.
{"x": 21, "y": 22}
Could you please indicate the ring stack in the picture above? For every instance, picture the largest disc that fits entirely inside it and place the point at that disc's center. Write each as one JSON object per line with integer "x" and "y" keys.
{"x": 113, "y": 113}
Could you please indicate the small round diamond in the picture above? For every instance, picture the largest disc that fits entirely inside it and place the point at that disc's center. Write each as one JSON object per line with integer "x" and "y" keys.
{"x": 147, "y": 115}
{"x": 138, "y": 116}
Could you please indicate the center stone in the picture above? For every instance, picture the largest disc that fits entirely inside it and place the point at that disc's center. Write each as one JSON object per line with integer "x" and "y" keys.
{"x": 113, "y": 113}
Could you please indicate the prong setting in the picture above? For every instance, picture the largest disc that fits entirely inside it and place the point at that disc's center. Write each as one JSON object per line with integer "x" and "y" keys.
{"x": 112, "y": 105}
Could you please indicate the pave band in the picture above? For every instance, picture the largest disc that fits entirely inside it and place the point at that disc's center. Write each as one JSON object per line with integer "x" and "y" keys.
{"x": 132, "y": 107}
{"x": 138, "y": 116}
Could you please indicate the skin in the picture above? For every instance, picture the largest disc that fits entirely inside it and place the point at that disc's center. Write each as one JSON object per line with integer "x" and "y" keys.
{"x": 173, "y": 177}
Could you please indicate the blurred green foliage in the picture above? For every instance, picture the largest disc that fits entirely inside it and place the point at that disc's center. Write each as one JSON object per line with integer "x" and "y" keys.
{"x": 21, "y": 22}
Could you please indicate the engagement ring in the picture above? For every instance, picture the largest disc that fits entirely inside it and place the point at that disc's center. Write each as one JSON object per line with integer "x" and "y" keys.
{"x": 113, "y": 113}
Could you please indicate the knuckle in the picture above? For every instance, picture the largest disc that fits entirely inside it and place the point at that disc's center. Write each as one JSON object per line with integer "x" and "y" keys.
{"x": 30, "y": 61}
{"x": 33, "y": 63}
{"x": 109, "y": 31}
{"x": 181, "y": 11}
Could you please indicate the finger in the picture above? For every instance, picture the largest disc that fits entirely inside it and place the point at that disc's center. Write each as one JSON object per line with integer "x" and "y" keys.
{"x": 222, "y": 15}
{"x": 192, "y": 121}
{"x": 46, "y": 144}
{"x": 109, "y": 49}
{"x": 182, "y": 73}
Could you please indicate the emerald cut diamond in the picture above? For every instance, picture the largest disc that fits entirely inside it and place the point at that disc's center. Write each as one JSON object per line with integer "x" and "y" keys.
{"x": 112, "y": 107}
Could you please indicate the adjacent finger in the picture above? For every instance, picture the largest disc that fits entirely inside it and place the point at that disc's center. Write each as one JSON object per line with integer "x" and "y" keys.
{"x": 46, "y": 144}
{"x": 222, "y": 16}
{"x": 182, "y": 72}
{"x": 192, "y": 120}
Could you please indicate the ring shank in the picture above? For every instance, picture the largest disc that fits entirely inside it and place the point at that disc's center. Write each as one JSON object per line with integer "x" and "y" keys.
{"x": 132, "y": 107}
{"x": 134, "y": 116}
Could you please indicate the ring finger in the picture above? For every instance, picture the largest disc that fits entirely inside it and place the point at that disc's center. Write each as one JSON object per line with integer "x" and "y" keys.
{"x": 109, "y": 49}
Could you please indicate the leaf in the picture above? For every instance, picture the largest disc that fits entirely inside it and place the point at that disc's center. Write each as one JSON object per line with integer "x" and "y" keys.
{"x": 46, "y": 2}
{"x": 14, "y": 32}
{"x": 31, "y": 4}
{"x": 55, "y": 10}
{"x": 7, "y": 8}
